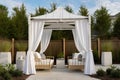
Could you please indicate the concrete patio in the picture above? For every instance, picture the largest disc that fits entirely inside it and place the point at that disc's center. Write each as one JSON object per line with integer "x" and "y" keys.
{"x": 62, "y": 73}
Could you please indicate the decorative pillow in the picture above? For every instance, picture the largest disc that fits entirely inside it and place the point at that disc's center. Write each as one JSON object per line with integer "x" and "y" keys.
{"x": 43, "y": 56}
{"x": 75, "y": 55}
{"x": 83, "y": 53}
{"x": 37, "y": 55}
{"x": 80, "y": 57}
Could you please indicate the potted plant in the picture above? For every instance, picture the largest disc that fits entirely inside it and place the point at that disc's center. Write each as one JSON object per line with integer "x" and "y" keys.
{"x": 106, "y": 53}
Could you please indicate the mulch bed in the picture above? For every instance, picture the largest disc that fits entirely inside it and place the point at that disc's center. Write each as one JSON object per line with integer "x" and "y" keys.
{"x": 104, "y": 77}
{"x": 23, "y": 77}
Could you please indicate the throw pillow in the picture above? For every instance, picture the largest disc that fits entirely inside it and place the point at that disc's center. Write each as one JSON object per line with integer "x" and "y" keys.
{"x": 37, "y": 55}
{"x": 79, "y": 57}
{"x": 43, "y": 56}
{"x": 75, "y": 55}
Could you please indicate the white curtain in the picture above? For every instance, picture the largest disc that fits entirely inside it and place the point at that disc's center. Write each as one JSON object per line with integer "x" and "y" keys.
{"x": 82, "y": 29}
{"x": 45, "y": 40}
{"x": 35, "y": 34}
{"x": 76, "y": 40}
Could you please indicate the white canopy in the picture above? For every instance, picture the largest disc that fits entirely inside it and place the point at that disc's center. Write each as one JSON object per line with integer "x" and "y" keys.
{"x": 59, "y": 19}
{"x": 59, "y": 14}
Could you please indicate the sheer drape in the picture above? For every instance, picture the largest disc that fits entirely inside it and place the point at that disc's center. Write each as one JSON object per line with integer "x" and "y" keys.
{"x": 45, "y": 40}
{"x": 35, "y": 34}
{"x": 82, "y": 30}
{"x": 76, "y": 40}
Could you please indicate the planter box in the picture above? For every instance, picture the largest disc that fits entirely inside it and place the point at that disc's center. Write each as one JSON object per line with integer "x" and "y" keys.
{"x": 106, "y": 58}
{"x": 5, "y": 58}
{"x": 20, "y": 64}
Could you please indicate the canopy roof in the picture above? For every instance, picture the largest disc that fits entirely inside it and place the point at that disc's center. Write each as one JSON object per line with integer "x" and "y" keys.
{"x": 59, "y": 14}
{"x": 59, "y": 19}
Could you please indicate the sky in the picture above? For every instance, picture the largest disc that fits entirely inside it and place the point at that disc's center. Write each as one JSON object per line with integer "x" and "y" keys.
{"x": 113, "y": 6}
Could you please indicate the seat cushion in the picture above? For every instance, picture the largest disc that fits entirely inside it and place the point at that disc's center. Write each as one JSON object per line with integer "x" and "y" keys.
{"x": 75, "y": 62}
{"x": 45, "y": 62}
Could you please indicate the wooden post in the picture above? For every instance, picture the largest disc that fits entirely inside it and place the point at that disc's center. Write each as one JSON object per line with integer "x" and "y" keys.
{"x": 99, "y": 48}
{"x": 12, "y": 51}
{"x": 64, "y": 46}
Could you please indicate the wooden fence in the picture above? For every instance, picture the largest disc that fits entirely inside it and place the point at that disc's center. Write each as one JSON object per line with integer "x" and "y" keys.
{"x": 65, "y": 48}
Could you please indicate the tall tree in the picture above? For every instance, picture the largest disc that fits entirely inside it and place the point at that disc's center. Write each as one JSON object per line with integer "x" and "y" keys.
{"x": 69, "y": 9}
{"x": 116, "y": 29}
{"x": 4, "y": 22}
{"x": 53, "y": 7}
{"x": 102, "y": 22}
{"x": 20, "y": 23}
{"x": 83, "y": 11}
{"x": 40, "y": 11}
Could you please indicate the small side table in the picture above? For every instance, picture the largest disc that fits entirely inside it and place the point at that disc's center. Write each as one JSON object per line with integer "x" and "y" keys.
{"x": 20, "y": 64}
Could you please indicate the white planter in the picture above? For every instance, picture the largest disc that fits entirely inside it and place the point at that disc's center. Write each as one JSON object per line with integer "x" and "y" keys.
{"x": 60, "y": 63}
{"x": 106, "y": 58}
{"x": 5, "y": 58}
{"x": 20, "y": 64}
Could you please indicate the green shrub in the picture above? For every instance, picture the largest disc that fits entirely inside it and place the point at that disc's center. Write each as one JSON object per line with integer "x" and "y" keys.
{"x": 16, "y": 73}
{"x": 2, "y": 70}
{"x": 108, "y": 71}
{"x": 10, "y": 67}
{"x": 6, "y": 72}
{"x": 21, "y": 45}
{"x": 115, "y": 73}
{"x": 5, "y": 46}
{"x": 7, "y": 76}
{"x": 107, "y": 46}
{"x": 60, "y": 55}
{"x": 100, "y": 72}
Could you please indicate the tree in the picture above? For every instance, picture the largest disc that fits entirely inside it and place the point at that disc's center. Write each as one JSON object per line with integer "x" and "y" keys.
{"x": 116, "y": 29}
{"x": 40, "y": 11}
{"x": 20, "y": 23}
{"x": 53, "y": 7}
{"x": 102, "y": 22}
{"x": 4, "y": 22}
{"x": 69, "y": 9}
{"x": 83, "y": 11}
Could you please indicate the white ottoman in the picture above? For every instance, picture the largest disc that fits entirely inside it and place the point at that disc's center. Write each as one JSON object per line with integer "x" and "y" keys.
{"x": 106, "y": 58}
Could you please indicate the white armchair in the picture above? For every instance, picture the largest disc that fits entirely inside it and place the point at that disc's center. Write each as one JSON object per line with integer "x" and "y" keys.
{"x": 76, "y": 62}
{"x": 43, "y": 63}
